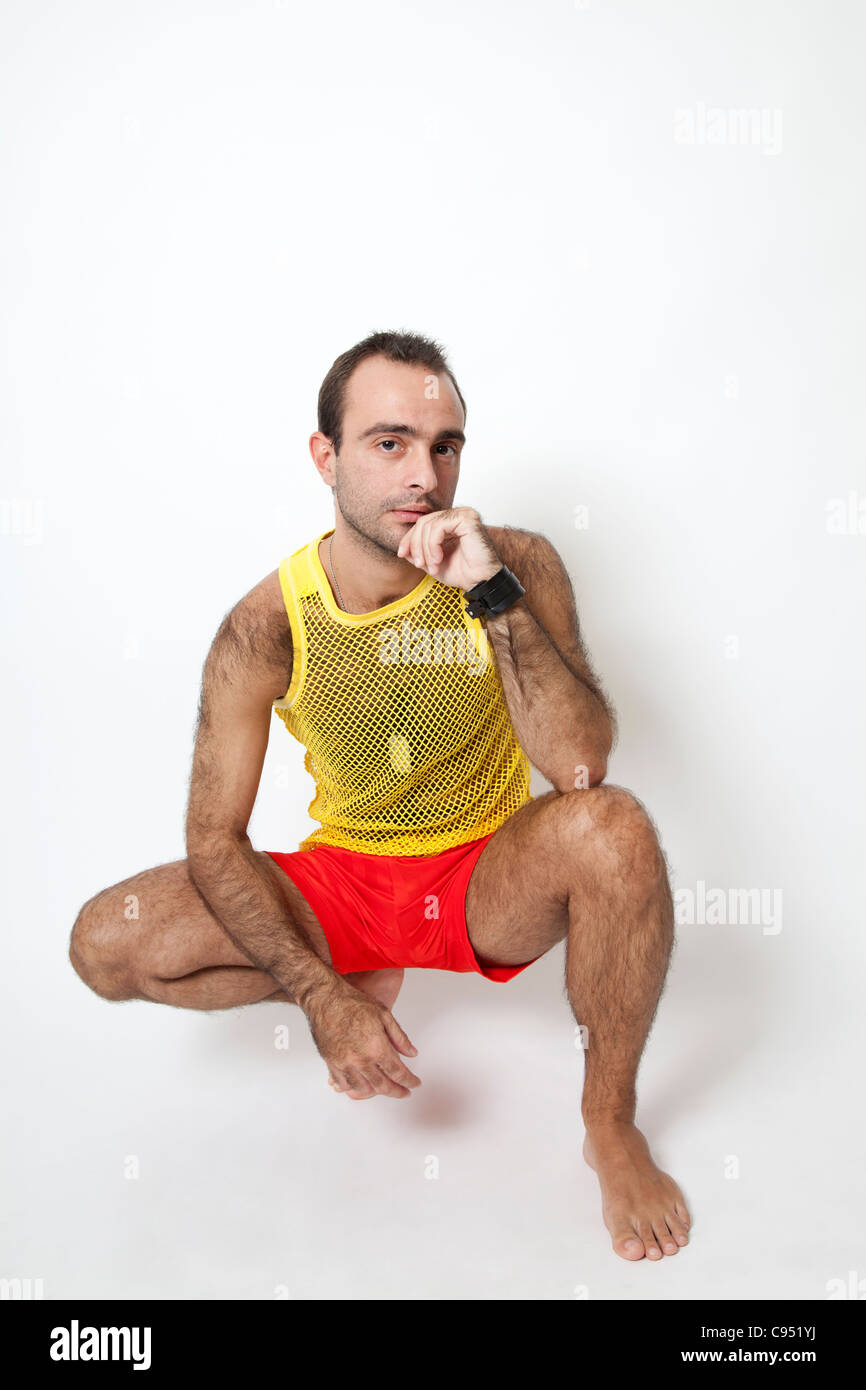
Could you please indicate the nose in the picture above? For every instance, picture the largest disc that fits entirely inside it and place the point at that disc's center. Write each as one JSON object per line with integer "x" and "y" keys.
{"x": 418, "y": 470}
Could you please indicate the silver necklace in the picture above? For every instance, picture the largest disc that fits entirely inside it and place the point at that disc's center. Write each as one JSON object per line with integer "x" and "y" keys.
{"x": 333, "y": 576}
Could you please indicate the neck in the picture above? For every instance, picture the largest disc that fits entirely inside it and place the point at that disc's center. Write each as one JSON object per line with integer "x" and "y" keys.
{"x": 368, "y": 575}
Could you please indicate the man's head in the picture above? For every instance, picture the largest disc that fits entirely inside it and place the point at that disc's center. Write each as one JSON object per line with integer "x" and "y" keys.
{"x": 391, "y": 430}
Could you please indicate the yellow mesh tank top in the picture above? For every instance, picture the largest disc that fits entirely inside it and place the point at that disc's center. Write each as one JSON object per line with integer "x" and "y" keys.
{"x": 403, "y": 716}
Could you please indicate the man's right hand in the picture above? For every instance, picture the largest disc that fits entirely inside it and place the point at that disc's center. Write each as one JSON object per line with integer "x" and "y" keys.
{"x": 361, "y": 1041}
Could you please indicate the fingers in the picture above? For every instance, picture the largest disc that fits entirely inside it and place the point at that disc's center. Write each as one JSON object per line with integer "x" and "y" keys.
{"x": 343, "y": 1088}
{"x": 388, "y": 1086}
{"x": 352, "y": 1079}
{"x": 376, "y": 1067}
{"x": 397, "y": 1036}
{"x": 422, "y": 544}
{"x": 384, "y": 1075}
{"x": 373, "y": 1081}
{"x": 378, "y": 1079}
{"x": 399, "y": 1076}
{"x": 404, "y": 548}
{"x": 414, "y": 543}
{"x": 388, "y": 1075}
{"x": 391, "y": 1062}
{"x": 431, "y": 548}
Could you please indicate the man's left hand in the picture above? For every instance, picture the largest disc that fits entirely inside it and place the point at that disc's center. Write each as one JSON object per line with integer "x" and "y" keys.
{"x": 453, "y": 546}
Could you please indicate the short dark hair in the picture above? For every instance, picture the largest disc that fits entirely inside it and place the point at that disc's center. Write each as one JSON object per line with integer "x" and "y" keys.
{"x": 412, "y": 348}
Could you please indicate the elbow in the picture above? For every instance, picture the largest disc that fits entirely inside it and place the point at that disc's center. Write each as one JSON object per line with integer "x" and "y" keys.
{"x": 204, "y": 852}
{"x": 589, "y": 767}
{"x": 581, "y": 776}
{"x": 198, "y": 856}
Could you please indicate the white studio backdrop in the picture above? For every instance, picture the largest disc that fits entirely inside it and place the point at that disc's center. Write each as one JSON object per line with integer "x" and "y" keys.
{"x": 637, "y": 231}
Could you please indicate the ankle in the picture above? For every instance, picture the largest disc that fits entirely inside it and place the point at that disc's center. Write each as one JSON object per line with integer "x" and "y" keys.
{"x": 600, "y": 1121}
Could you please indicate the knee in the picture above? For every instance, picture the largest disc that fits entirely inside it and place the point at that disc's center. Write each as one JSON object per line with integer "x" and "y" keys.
{"x": 620, "y": 829}
{"x": 94, "y": 955}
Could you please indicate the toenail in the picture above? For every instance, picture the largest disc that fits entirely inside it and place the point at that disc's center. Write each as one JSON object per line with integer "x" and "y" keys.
{"x": 633, "y": 1243}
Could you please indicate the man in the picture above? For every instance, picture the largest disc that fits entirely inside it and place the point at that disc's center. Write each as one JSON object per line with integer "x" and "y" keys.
{"x": 424, "y": 659}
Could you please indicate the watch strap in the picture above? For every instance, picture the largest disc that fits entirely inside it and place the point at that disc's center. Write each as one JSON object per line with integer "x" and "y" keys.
{"x": 494, "y": 595}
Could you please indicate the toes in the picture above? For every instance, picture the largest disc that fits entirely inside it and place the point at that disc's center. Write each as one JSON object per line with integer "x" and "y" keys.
{"x": 665, "y": 1237}
{"x": 628, "y": 1244}
{"x": 678, "y": 1229}
{"x": 645, "y": 1231}
{"x": 682, "y": 1212}
{"x": 651, "y": 1239}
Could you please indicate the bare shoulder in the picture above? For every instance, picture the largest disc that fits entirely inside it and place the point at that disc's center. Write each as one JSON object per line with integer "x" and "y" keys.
{"x": 252, "y": 647}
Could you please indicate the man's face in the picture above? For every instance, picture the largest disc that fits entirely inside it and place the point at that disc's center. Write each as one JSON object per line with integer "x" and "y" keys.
{"x": 402, "y": 440}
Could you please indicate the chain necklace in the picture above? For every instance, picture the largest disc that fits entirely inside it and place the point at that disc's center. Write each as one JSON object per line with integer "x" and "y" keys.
{"x": 333, "y": 576}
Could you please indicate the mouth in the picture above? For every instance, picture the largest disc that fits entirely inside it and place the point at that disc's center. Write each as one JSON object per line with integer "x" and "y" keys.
{"x": 410, "y": 513}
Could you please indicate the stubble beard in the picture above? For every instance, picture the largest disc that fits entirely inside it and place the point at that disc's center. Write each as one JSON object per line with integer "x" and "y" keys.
{"x": 371, "y": 530}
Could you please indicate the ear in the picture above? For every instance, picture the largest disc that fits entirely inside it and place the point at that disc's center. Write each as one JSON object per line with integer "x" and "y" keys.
{"x": 322, "y": 450}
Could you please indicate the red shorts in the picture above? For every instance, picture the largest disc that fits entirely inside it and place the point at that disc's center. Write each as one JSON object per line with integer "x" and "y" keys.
{"x": 380, "y": 910}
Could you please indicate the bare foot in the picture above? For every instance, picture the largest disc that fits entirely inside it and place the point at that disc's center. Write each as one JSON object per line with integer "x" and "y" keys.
{"x": 383, "y": 985}
{"x": 642, "y": 1207}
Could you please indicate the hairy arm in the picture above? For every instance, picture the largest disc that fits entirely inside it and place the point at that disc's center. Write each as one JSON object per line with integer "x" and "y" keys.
{"x": 561, "y": 715}
{"x": 248, "y": 666}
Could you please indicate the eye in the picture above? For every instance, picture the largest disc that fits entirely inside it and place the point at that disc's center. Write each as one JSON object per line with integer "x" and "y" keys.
{"x": 388, "y": 441}
{"x": 447, "y": 446}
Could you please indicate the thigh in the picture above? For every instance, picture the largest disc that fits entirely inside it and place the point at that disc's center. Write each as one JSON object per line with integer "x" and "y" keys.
{"x": 517, "y": 900}
{"x": 300, "y": 910}
{"x": 159, "y": 919}
{"x": 548, "y": 861}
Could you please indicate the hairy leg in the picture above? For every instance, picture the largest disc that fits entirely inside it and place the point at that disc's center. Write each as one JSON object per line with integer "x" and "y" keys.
{"x": 153, "y": 936}
{"x": 586, "y": 867}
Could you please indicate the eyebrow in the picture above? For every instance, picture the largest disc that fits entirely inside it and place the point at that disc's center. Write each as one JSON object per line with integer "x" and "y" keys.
{"x": 410, "y": 429}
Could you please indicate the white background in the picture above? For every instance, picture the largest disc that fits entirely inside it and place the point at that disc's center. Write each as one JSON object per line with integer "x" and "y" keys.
{"x": 202, "y": 205}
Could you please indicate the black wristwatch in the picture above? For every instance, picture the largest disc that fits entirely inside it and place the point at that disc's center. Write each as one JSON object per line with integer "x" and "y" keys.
{"x": 494, "y": 595}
